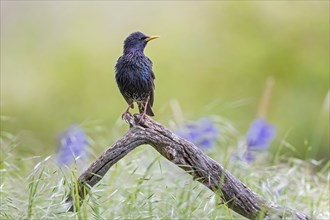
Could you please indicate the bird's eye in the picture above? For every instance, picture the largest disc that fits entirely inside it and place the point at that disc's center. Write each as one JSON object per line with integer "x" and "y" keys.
{"x": 143, "y": 38}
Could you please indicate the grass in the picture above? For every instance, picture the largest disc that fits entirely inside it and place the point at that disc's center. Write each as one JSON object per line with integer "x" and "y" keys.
{"x": 143, "y": 185}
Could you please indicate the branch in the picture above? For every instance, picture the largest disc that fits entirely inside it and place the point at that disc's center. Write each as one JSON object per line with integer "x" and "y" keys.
{"x": 188, "y": 157}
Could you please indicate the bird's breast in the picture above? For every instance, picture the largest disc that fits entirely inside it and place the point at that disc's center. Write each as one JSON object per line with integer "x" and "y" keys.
{"x": 133, "y": 76}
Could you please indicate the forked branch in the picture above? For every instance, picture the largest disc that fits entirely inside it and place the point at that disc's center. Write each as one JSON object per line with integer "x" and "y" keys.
{"x": 188, "y": 157}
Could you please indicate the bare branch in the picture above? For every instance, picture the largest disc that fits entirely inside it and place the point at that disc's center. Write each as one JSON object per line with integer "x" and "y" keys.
{"x": 188, "y": 157}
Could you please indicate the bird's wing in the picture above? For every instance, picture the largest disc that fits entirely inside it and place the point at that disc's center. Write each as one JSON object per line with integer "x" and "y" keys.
{"x": 151, "y": 100}
{"x": 151, "y": 72}
{"x": 153, "y": 88}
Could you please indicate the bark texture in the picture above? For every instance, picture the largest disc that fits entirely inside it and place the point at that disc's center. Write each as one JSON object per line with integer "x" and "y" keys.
{"x": 188, "y": 157}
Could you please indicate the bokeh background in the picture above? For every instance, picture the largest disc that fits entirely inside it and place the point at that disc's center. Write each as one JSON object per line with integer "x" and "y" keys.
{"x": 213, "y": 58}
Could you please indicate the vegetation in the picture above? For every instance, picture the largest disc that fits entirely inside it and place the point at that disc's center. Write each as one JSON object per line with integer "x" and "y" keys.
{"x": 145, "y": 185}
{"x": 212, "y": 60}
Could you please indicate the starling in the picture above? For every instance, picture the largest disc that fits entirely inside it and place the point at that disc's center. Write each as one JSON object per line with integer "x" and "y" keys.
{"x": 134, "y": 75}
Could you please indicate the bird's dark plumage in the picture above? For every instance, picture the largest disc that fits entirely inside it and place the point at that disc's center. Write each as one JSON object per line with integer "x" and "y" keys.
{"x": 134, "y": 75}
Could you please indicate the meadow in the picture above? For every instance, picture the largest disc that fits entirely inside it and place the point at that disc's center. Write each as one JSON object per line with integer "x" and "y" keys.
{"x": 214, "y": 60}
{"x": 144, "y": 185}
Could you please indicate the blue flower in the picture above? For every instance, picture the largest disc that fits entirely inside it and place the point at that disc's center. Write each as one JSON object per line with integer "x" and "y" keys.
{"x": 203, "y": 133}
{"x": 258, "y": 139}
{"x": 72, "y": 145}
{"x": 260, "y": 135}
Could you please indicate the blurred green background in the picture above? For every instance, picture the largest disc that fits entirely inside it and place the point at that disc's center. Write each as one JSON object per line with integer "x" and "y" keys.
{"x": 213, "y": 58}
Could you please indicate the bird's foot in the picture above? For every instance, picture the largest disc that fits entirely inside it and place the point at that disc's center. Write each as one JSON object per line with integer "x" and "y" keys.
{"x": 143, "y": 117}
{"x": 125, "y": 115}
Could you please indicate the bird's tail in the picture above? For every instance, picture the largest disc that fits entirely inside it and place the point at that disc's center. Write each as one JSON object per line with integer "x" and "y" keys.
{"x": 148, "y": 110}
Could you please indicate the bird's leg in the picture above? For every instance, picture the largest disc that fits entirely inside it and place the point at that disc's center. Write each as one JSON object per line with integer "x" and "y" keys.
{"x": 143, "y": 115}
{"x": 127, "y": 110}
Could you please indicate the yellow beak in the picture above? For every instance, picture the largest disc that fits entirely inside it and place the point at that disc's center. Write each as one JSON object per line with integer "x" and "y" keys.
{"x": 151, "y": 38}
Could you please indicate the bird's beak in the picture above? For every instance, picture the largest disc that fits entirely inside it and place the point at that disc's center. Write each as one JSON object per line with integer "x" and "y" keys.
{"x": 151, "y": 38}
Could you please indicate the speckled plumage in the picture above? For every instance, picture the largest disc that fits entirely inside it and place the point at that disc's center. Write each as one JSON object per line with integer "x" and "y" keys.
{"x": 134, "y": 75}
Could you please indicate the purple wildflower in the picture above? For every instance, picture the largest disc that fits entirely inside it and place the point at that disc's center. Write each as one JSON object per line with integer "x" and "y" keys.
{"x": 203, "y": 133}
{"x": 260, "y": 135}
{"x": 72, "y": 144}
{"x": 258, "y": 138}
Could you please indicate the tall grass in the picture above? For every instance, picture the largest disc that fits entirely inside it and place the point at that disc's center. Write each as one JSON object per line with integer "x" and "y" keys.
{"x": 143, "y": 185}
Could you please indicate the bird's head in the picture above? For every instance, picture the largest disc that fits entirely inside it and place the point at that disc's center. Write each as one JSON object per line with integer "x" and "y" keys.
{"x": 137, "y": 42}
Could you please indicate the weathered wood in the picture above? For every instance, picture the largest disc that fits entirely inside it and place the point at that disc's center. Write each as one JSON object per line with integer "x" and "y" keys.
{"x": 187, "y": 156}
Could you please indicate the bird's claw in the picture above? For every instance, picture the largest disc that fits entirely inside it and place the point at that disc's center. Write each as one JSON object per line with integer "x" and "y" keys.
{"x": 125, "y": 115}
{"x": 142, "y": 117}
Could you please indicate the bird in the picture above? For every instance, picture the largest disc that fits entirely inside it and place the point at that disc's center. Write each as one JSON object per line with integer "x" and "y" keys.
{"x": 134, "y": 74}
